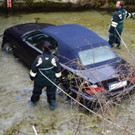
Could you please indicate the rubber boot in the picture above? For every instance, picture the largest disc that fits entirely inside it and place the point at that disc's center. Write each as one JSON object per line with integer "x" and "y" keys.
{"x": 31, "y": 104}
{"x": 53, "y": 106}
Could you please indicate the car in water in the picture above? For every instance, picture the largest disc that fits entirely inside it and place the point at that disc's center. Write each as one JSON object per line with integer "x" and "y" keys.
{"x": 90, "y": 68}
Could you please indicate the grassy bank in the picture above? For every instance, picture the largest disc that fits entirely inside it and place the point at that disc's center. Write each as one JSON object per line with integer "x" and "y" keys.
{"x": 59, "y": 5}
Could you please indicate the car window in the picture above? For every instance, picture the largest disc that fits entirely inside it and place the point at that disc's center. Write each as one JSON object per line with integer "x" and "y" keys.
{"x": 96, "y": 55}
{"x": 38, "y": 39}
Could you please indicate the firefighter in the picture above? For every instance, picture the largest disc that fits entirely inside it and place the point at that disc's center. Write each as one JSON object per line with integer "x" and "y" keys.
{"x": 48, "y": 65}
{"x": 116, "y": 26}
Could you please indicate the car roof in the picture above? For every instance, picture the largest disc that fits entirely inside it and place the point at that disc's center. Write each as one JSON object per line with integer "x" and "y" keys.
{"x": 72, "y": 38}
{"x": 74, "y": 35}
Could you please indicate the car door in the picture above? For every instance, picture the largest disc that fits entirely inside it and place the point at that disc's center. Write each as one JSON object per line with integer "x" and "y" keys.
{"x": 34, "y": 43}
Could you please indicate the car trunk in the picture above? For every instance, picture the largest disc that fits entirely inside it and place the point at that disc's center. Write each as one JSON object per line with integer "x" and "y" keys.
{"x": 24, "y": 28}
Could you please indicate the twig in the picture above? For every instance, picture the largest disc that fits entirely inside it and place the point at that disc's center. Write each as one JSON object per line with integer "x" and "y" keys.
{"x": 34, "y": 130}
{"x": 78, "y": 126}
{"x": 86, "y": 106}
{"x": 125, "y": 45}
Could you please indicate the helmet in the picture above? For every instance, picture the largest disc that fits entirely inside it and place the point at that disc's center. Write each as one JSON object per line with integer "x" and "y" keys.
{"x": 47, "y": 47}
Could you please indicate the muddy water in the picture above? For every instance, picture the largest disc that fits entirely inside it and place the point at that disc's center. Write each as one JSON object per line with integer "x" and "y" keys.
{"x": 17, "y": 118}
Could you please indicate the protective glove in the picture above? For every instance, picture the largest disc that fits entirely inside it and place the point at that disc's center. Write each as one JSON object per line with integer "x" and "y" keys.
{"x": 133, "y": 13}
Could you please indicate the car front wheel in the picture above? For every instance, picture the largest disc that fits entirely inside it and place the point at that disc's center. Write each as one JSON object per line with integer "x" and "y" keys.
{"x": 7, "y": 47}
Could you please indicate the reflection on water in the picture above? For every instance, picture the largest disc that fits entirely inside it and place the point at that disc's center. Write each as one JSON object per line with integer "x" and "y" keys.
{"x": 15, "y": 85}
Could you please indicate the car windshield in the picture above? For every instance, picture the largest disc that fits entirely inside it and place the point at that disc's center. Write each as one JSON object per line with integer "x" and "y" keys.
{"x": 96, "y": 55}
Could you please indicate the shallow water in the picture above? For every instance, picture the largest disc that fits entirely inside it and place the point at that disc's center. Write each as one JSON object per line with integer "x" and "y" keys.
{"x": 17, "y": 118}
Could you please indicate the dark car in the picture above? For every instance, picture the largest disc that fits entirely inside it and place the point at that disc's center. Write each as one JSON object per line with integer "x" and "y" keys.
{"x": 90, "y": 68}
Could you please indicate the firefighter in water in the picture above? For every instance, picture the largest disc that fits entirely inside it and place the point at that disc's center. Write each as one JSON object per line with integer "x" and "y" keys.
{"x": 116, "y": 26}
{"x": 47, "y": 65}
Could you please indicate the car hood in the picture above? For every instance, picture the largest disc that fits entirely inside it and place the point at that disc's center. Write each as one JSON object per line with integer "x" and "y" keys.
{"x": 101, "y": 73}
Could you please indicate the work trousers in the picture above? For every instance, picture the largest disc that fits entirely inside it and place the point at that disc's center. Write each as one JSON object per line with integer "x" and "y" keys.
{"x": 115, "y": 38}
{"x": 37, "y": 91}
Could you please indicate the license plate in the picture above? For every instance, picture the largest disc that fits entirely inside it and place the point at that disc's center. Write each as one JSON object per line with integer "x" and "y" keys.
{"x": 117, "y": 85}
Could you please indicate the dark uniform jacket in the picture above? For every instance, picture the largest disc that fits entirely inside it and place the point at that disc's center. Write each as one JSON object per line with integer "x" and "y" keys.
{"x": 49, "y": 65}
{"x": 118, "y": 18}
